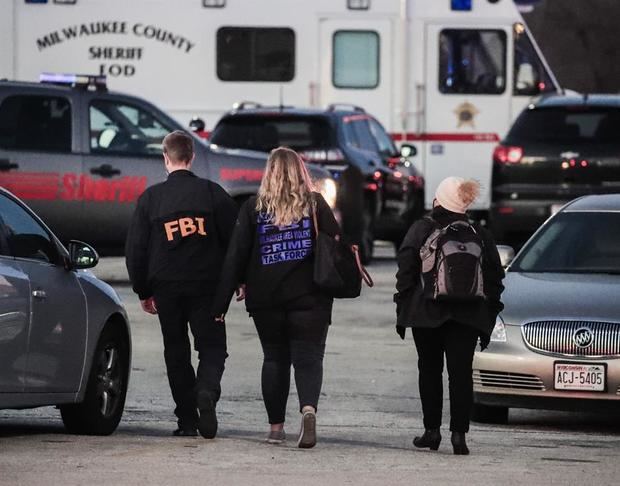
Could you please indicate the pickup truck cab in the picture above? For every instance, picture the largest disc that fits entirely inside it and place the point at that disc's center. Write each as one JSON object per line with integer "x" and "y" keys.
{"x": 80, "y": 156}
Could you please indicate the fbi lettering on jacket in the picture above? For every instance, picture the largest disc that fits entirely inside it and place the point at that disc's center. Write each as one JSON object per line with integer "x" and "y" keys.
{"x": 183, "y": 227}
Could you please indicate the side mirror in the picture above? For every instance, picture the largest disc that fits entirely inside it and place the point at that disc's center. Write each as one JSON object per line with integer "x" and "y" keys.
{"x": 408, "y": 150}
{"x": 525, "y": 77}
{"x": 506, "y": 254}
{"x": 197, "y": 125}
{"x": 82, "y": 255}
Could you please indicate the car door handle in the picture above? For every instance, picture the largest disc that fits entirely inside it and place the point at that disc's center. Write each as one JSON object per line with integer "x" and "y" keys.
{"x": 39, "y": 294}
{"x": 105, "y": 170}
{"x": 6, "y": 164}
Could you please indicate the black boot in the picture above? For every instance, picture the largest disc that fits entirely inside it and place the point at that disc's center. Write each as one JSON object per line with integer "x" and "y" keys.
{"x": 207, "y": 423}
{"x": 459, "y": 444}
{"x": 430, "y": 439}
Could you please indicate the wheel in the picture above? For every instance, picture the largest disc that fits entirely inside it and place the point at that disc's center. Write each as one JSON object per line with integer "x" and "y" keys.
{"x": 104, "y": 401}
{"x": 367, "y": 242}
{"x": 489, "y": 414}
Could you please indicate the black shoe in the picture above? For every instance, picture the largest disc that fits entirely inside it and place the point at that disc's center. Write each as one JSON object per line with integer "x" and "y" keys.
{"x": 207, "y": 424}
{"x": 430, "y": 439}
{"x": 185, "y": 432}
{"x": 459, "y": 444}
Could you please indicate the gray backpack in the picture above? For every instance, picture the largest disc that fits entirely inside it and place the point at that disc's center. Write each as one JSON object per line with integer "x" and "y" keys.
{"x": 452, "y": 263}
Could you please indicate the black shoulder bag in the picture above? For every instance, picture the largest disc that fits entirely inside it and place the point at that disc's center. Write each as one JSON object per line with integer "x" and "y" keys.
{"x": 338, "y": 270}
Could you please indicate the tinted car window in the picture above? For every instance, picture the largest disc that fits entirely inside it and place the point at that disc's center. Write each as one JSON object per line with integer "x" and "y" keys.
{"x": 580, "y": 242}
{"x": 269, "y": 132}
{"x": 37, "y": 123}
{"x": 581, "y": 124}
{"x": 472, "y": 61}
{"x": 255, "y": 54}
{"x": 25, "y": 237}
{"x": 383, "y": 140}
{"x": 119, "y": 128}
{"x": 358, "y": 133}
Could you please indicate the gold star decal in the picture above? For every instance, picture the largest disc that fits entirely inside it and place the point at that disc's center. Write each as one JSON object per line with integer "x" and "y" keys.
{"x": 465, "y": 114}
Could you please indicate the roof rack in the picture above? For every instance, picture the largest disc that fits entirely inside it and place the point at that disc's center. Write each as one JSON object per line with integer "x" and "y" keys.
{"x": 244, "y": 105}
{"x": 349, "y": 106}
{"x": 84, "y": 81}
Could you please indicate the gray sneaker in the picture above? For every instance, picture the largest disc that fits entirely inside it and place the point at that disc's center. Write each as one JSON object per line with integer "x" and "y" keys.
{"x": 276, "y": 437}
{"x": 307, "y": 434}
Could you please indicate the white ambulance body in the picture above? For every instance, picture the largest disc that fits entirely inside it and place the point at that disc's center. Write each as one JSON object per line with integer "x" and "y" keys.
{"x": 448, "y": 76}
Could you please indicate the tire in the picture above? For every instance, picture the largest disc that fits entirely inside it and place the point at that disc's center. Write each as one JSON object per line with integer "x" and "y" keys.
{"x": 367, "y": 243}
{"x": 489, "y": 414}
{"x": 104, "y": 400}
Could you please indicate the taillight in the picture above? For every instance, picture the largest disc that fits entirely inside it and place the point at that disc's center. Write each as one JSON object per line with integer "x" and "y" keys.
{"x": 330, "y": 155}
{"x": 507, "y": 154}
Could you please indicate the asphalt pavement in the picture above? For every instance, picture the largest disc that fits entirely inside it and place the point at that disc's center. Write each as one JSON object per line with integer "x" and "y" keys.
{"x": 368, "y": 414}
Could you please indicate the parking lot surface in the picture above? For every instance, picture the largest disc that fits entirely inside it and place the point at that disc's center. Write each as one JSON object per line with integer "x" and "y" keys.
{"x": 368, "y": 414}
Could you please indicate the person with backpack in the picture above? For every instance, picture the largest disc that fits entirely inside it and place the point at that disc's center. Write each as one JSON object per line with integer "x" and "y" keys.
{"x": 449, "y": 286}
{"x": 270, "y": 262}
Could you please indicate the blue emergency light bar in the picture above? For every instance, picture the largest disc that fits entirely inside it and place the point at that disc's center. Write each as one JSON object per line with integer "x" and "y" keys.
{"x": 461, "y": 5}
{"x": 74, "y": 80}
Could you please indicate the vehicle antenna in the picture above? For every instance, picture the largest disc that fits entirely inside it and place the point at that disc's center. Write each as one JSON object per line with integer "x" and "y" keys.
{"x": 281, "y": 97}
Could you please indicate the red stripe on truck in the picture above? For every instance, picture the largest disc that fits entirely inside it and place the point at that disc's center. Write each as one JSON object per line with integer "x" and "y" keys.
{"x": 445, "y": 137}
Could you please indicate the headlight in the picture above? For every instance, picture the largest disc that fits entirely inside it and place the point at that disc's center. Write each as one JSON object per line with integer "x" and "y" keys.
{"x": 499, "y": 332}
{"x": 329, "y": 191}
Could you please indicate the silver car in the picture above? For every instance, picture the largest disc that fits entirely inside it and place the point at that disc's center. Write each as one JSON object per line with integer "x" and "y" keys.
{"x": 64, "y": 334}
{"x": 556, "y": 345}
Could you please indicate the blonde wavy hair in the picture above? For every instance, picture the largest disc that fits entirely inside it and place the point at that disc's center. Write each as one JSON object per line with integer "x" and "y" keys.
{"x": 285, "y": 193}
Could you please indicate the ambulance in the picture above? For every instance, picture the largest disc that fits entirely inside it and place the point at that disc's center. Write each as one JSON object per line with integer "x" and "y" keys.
{"x": 445, "y": 77}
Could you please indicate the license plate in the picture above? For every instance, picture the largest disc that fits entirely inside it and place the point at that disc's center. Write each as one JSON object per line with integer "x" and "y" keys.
{"x": 579, "y": 377}
{"x": 555, "y": 208}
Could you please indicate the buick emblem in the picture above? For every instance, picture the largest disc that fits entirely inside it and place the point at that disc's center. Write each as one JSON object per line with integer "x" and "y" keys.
{"x": 583, "y": 337}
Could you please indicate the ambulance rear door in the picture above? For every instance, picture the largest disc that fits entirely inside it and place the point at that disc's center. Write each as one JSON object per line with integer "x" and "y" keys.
{"x": 467, "y": 103}
{"x": 356, "y": 62}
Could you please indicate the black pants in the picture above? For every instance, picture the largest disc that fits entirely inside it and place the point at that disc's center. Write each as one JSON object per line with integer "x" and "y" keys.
{"x": 296, "y": 337}
{"x": 175, "y": 309}
{"x": 458, "y": 343}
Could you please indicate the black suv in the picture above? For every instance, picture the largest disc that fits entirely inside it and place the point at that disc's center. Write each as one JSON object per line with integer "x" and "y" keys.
{"x": 80, "y": 156}
{"x": 559, "y": 148}
{"x": 379, "y": 192}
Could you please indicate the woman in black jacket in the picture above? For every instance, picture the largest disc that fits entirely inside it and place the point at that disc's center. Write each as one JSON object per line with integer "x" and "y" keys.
{"x": 449, "y": 327}
{"x": 270, "y": 263}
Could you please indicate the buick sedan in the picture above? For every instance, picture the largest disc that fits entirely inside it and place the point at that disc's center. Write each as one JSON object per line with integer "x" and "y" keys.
{"x": 556, "y": 345}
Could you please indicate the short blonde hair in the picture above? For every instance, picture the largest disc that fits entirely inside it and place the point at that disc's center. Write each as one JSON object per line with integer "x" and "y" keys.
{"x": 179, "y": 147}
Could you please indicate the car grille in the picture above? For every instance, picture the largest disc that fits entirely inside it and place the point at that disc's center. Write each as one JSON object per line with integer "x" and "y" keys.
{"x": 562, "y": 337}
{"x": 500, "y": 379}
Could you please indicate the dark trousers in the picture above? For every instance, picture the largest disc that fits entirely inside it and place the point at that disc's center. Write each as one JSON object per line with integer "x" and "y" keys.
{"x": 294, "y": 337}
{"x": 458, "y": 343}
{"x": 175, "y": 309}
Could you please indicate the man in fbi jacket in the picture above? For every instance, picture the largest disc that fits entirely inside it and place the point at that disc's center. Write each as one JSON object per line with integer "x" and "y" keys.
{"x": 175, "y": 248}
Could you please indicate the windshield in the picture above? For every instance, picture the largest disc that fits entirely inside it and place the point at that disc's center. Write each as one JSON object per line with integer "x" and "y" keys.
{"x": 268, "y": 132}
{"x": 566, "y": 124}
{"x": 574, "y": 242}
